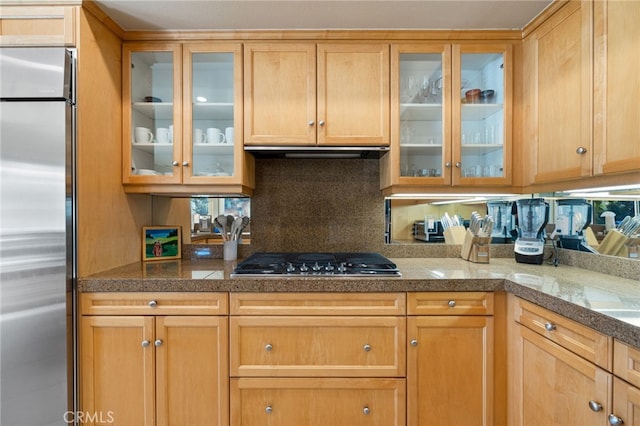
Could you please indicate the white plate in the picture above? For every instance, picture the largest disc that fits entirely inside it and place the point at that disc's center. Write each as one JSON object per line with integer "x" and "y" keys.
{"x": 146, "y": 172}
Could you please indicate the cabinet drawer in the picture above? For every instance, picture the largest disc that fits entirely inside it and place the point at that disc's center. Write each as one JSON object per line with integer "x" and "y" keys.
{"x": 626, "y": 362}
{"x": 579, "y": 339}
{"x": 318, "y": 402}
{"x": 318, "y": 346}
{"x": 317, "y": 303}
{"x": 450, "y": 303}
{"x": 153, "y": 303}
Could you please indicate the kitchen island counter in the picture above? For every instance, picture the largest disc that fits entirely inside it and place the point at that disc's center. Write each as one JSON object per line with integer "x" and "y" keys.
{"x": 607, "y": 303}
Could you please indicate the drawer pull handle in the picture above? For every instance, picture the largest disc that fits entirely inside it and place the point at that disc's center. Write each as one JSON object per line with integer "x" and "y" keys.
{"x": 413, "y": 342}
{"x": 615, "y": 420}
{"x": 366, "y": 347}
{"x": 158, "y": 342}
{"x": 550, "y": 326}
{"x": 366, "y": 410}
{"x": 269, "y": 409}
{"x": 268, "y": 347}
{"x": 452, "y": 303}
{"x": 153, "y": 304}
{"x": 145, "y": 343}
{"x": 595, "y": 406}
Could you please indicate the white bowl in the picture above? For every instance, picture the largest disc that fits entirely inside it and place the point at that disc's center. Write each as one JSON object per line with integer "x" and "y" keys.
{"x": 146, "y": 172}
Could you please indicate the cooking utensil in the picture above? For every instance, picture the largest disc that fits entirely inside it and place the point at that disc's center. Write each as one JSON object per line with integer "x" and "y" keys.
{"x": 221, "y": 224}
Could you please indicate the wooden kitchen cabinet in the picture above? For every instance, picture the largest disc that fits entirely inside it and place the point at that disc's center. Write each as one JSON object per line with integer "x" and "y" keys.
{"x": 560, "y": 372}
{"x": 626, "y": 392}
{"x": 39, "y": 25}
{"x": 438, "y": 137}
{"x": 316, "y": 94}
{"x": 154, "y": 367}
{"x": 317, "y": 358}
{"x": 450, "y": 359}
{"x": 557, "y": 58}
{"x": 616, "y": 146}
{"x": 173, "y": 94}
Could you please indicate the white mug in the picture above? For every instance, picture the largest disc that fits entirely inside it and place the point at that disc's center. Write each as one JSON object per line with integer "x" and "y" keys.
{"x": 228, "y": 134}
{"x": 215, "y": 136}
{"x": 199, "y": 136}
{"x": 142, "y": 135}
{"x": 162, "y": 135}
{"x": 171, "y": 134}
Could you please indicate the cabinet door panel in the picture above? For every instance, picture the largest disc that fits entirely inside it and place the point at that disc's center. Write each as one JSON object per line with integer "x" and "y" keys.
{"x": 626, "y": 402}
{"x": 280, "y": 93}
{"x": 557, "y": 385}
{"x": 116, "y": 370}
{"x": 450, "y": 370}
{"x": 317, "y": 402}
{"x": 353, "y": 94}
{"x": 617, "y": 87}
{"x": 192, "y": 373}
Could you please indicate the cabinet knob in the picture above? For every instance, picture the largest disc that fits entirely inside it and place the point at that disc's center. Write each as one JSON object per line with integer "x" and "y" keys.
{"x": 153, "y": 303}
{"x": 458, "y": 164}
{"x": 268, "y": 347}
{"x": 549, "y": 326}
{"x": 413, "y": 342}
{"x": 158, "y": 342}
{"x": 175, "y": 164}
{"x": 311, "y": 122}
{"x": 145, "y": 343}
{"x": 268, "y": 409}
{"x": 321, "y": 122}
{"x": 185, "y": 164}
{"x": 452, "y": 303}
{"x": 447, "y": 164}
{"x": 366, "y": 410}
{"x": 366, "y": 348}
{"x": 581, "y": 150}
{"x": 595, "y": 406}
{"x": 615, "y": 420}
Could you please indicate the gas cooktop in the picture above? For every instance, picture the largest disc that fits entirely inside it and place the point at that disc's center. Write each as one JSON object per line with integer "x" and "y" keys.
{"x": 316, "y": 264}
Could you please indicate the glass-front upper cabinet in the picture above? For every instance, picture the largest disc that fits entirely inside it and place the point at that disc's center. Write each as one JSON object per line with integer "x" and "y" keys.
{"x": 481, "y": 106}
{"x": 420, "y": 122}
{"x": 212, "y": 112}
{"x": 151, "y": 112}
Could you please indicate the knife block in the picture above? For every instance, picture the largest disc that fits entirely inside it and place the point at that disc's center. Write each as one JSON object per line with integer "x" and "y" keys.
{"x": 454, "y": 235}
{"x": 612, "y": 243}
{"x": 476, "y": 249}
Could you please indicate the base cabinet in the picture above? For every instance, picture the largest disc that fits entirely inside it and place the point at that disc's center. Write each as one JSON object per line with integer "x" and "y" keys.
{"x": 148, "y": 370}
{"x": 450, "y": 359}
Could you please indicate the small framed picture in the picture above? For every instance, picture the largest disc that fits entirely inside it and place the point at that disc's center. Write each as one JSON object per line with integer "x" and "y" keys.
{"x": 161, "y": 243}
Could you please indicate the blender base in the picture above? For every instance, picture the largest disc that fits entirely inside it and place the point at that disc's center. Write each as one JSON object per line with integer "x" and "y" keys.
{"x": 532, "y": 259}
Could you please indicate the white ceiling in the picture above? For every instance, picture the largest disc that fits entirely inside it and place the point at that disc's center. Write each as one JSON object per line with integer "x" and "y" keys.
{"x": 186, "y": 15}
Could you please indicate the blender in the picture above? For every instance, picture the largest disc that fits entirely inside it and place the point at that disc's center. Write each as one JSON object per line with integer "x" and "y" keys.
{"x": 572, "y": 217}
{"x": 533, "y": 215}
{"x": 500, "y": 212}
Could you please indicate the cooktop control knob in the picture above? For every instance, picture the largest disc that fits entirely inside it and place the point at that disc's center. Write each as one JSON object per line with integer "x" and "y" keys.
{"x": 304, "y": 267}
{"x": 329, "y": 267}
{"x": 342, "y": 268}
{"x": 290, "y": 268}
{"x": 316, "y": 267}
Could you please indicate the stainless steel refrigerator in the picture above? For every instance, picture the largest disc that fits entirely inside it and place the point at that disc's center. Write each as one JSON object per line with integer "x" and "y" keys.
{"x": 37, "y": 238}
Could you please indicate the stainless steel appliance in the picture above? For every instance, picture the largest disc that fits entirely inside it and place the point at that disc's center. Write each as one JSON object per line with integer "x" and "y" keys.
{"x": 572, "y": 217}
{"x": 533, "y": 215}
{"x": 429, "y": 231}
{"x": 316, "y": 264}
{"x": 37, "y": 249}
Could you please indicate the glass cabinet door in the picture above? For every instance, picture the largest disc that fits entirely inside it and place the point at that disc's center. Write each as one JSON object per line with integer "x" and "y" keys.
{"x": 421, "y": 87}
{"x": 482, "y": 93}
{"x": 151, "y": 115}
{"x": 213, "y": 142}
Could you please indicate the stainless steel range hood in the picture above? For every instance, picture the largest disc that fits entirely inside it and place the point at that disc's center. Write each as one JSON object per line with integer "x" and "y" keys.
{"x": 335, "y": 152}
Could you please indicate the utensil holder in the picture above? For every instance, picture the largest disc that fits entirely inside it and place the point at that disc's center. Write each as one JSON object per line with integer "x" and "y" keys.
{"x": 230, "y": 250}
{"x": 613, "y": 242}
{"x": 454, "y": 235}
{"x": 476, "y": 249}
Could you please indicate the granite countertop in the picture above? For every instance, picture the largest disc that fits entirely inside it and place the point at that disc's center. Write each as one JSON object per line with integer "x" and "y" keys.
{"x": 604, "y": 302}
